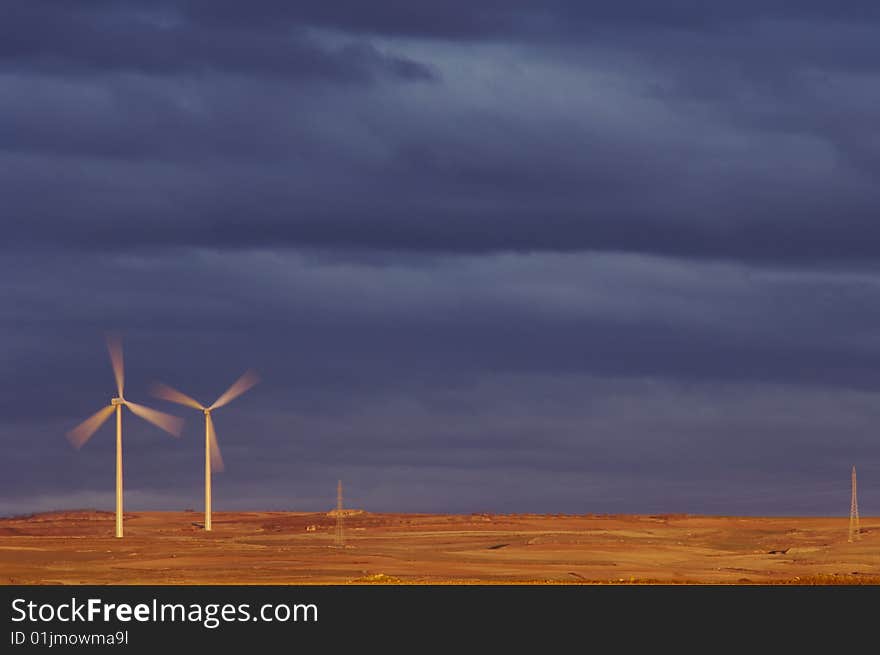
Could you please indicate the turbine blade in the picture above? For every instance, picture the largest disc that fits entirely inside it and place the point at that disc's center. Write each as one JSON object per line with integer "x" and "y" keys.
{"x": 83, "y": 432}
{"x": 171, "y": 424}
{"x": 114, "y": 345}
{"x": 242, "y": 384}
{"x": 165, "y": 392}
{"x": 216, "y": 458}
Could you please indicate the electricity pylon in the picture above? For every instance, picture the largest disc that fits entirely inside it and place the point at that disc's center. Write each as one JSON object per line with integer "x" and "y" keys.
{"x": 854, "y": 531}
{"x": 339, "y": 541}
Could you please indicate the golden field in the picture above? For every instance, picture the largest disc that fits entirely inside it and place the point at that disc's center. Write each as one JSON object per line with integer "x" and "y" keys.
{"x": 78, "y": 547}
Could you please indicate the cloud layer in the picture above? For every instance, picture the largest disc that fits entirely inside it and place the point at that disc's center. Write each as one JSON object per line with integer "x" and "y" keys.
{"x": 504, "y": 256}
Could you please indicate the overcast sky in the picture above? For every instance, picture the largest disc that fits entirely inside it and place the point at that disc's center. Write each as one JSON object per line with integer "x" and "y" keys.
{"x": 558, "y": 256}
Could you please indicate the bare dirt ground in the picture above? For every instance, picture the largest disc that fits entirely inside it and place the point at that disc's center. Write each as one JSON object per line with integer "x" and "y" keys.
{"x": 298, "y": 548}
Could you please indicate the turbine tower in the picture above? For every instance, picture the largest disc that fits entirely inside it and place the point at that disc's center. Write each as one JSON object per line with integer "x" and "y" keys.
{"x": 854, "y": 530}
{"x": 83, "y": 432}
{"x": 213, "y": 459}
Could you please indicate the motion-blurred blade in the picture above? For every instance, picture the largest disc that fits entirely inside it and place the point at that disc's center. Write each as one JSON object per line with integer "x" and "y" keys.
{"x": 216, "y": 457}
{"x": 171, "y": 424}
{"x": 82, "y": 432}
{"x": 245, "y": 382}
{"x": 114, "y": 345}
{"x": 165, "y": 392}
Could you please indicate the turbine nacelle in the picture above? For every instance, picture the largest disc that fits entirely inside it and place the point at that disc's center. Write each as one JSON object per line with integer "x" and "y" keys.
{"x": 117, "y": 401}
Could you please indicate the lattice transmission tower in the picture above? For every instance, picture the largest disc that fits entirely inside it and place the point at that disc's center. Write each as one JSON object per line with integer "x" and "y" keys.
{"x": 339, "y": 541}
{"x": 854, "y": 531}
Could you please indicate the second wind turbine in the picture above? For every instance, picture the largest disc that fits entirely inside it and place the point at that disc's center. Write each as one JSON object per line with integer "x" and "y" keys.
{"x": 213, "y": 459}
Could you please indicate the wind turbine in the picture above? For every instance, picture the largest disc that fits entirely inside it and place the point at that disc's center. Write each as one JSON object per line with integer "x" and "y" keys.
{"x": 213, "y": 459}
{"x": 82, "y": 432}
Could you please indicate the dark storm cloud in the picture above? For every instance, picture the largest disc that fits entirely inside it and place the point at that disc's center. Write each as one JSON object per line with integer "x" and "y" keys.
{"x": 402, "y": 325}
{"x": 658, "y": 132}
{"x": 468, "y": 19}
{"x": 559, "y": 256}
{"x": 88, "y": 37}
